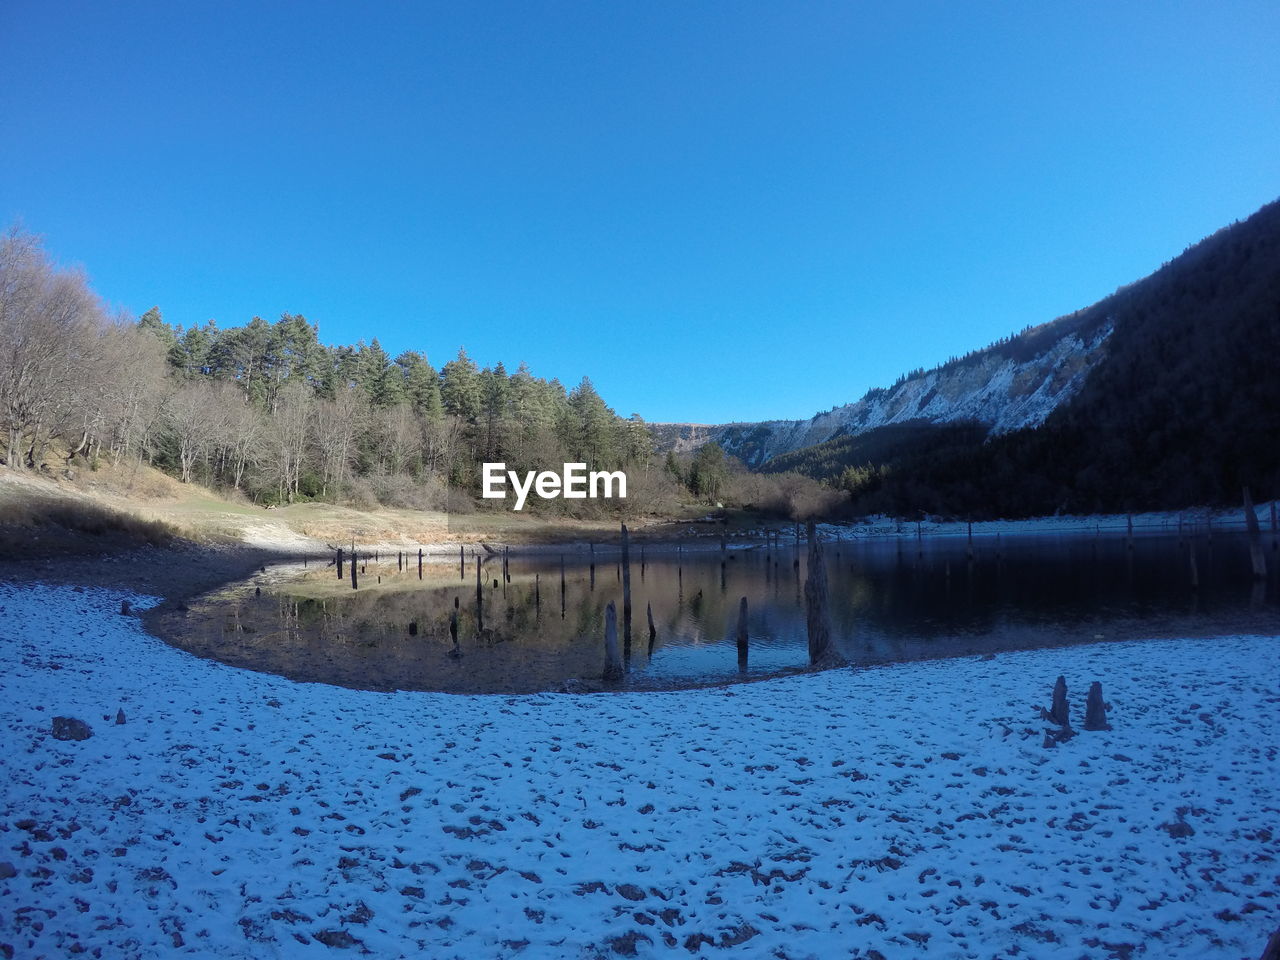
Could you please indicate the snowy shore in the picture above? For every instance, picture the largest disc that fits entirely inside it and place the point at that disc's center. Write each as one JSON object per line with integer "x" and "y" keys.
{"x": 901, "y": 811}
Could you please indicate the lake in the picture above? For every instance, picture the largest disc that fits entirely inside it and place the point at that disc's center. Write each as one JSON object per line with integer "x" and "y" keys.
{"x": 892, "y": 600}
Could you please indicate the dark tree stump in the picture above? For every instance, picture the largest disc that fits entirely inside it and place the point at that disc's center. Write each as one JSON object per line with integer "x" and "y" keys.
{"x": 1095, "y": 709}
{"x": 1059, "y": 712}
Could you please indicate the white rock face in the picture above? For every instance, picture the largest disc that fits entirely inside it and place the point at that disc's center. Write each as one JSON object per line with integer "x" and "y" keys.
{"x": 988, "y": 386}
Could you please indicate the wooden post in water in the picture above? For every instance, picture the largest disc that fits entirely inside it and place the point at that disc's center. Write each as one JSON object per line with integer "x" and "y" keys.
{"x": 626, "y": 589}
{"x": 400, "y": 561}
{"x": 1256, "y": 555}
{"x": 970, "y": 549}
{"x": 340, "y": 573}
{"x": 642, "y": 563}
{"x": 354, "y": 585}
{"x": 419, "y": 563}
{"x": 562, "y": 587}
{"x": 816, "y": 601}
{"x": 462, "y": 563}
{"x": 1130, "y": 531}
{"x": 1195, "y": 571}
{"x": 613, "y": 670}
{"x": 537, "y": 592}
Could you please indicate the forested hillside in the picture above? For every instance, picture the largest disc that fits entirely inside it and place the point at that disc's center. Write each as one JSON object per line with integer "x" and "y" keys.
{"x": 269, "y": 410}
{"x": 1182, "y": 409}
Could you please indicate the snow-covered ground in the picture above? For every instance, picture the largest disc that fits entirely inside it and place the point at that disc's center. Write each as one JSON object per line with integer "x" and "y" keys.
{"x": 1197, "y": 522}
{"x": 902, "y": 811}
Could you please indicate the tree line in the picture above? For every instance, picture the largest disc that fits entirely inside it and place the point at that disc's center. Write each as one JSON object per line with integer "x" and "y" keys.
{"x": 267, "y": 409}
{"x": 269, "y": 412}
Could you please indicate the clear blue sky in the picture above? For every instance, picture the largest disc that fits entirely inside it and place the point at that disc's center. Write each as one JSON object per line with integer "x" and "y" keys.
{"x": 716, "y": 210}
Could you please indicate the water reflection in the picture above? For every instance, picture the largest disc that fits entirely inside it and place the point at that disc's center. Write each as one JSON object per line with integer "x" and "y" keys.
{"x": 539, "y": 621}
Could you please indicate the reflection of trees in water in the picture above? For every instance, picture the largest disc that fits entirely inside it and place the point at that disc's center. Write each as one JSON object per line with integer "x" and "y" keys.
{"x": 886, "y": 603}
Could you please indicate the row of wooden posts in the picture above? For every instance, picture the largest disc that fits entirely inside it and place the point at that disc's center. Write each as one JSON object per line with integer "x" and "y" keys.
{"x": 817, "y": 612}
{"x": 817, "y": 604}
{"x": 816, "y": 595}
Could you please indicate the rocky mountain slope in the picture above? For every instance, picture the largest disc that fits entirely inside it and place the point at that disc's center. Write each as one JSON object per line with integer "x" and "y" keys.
{"x": 1012, "y": 384}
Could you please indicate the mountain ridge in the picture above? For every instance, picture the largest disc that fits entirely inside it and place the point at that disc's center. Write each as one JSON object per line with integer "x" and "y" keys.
{"x": 1016, "y": 382}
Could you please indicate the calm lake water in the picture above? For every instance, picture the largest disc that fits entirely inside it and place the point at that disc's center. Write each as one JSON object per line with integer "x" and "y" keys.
{"x": 891, "y": 601}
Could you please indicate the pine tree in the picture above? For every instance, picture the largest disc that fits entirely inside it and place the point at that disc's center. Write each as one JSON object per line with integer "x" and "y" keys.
{"x": 460, "y": 387}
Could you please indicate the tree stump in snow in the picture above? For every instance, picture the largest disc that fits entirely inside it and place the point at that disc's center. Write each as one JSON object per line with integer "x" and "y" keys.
{"x": 1272, "y": 950}
{"x": 1059, "y": 712}
{"x": 1095, "y": 709}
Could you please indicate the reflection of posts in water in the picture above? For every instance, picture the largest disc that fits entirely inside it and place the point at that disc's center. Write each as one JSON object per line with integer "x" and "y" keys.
{"x": 642, "y": 563}
{"x": 970, "y": 548}
{"x": 453, "y": 630}
{"x": 742, "y": 635}
{"x": 1256, "y": 557}
{"x": 817, "y": 611}
{"x": 613, "y": 670}
{"x": 653, "y": 631}
{"x": 626, "y": 589}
